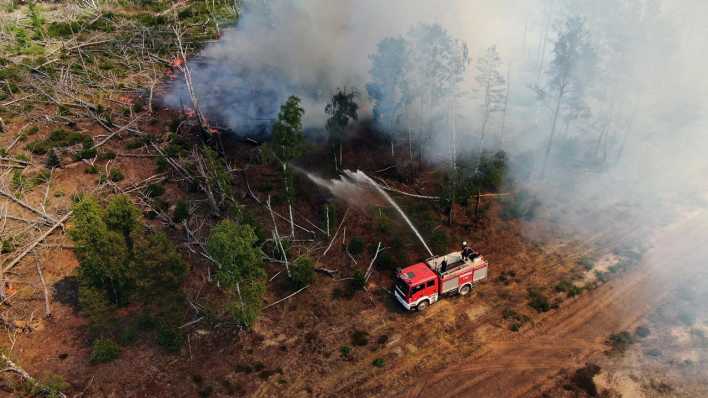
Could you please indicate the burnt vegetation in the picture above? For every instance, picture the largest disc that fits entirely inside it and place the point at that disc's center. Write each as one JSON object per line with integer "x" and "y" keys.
{"x": 190, "y": 233}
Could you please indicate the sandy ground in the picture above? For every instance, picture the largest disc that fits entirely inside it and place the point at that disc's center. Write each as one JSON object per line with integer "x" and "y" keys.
{"x": 568, "y": 338}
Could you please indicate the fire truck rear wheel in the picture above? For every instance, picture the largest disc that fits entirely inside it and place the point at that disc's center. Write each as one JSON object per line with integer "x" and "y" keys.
{"x": 422, "y": 306}
{"x": 465, "y": 290}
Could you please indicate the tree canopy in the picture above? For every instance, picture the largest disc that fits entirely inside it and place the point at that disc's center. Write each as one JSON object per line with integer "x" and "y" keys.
{"x": 288, "y": 135}
{"x": 240, "y": 273}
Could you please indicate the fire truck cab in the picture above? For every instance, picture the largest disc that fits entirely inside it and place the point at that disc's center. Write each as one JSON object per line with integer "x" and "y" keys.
{"x": 422, "y": 284}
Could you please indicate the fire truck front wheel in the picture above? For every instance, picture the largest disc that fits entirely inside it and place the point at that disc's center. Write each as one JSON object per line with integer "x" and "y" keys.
{"x": 422, "y": 306}
{"x": 465, "y": 290}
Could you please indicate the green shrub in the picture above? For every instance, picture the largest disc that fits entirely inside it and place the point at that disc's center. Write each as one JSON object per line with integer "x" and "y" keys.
{"x": 52, "y": 159}
{"x": 169, "y": 338}
{"x": 302, "y": 272}
{"x": 155, "y": 190}
{"x": 63, "y": 29}
{"x": 7, "y": 246}
{"x": 128, "y": 334}
{"x": 345, "y": 352}
{"x": 161, "y": 164}
{"x": 537, "y": 300}
{"x": 87, "y": 152}
{"x": 104, "y": 350}
{"x": 181, "y": 211}
{"x": 59, "y": 138}
{"x": 520, "y": 206}
{"x": 586, "y": 263}
{"x": 106, "y": 155}
{"x": 620, "y": 341}
{"x": 568, "y": 288}
{"x": 356, "y": 246}
{"x": 378, "y": 362}
{"x": 602, "y": 276}
{"x": 358, "y": 280}
{"x": 241, "y": 273}
{"x": 116, "y": 175}
{"x": 118, "y": 257}
{"x": 19, "y": 182}
{"x": 40, "y": 178}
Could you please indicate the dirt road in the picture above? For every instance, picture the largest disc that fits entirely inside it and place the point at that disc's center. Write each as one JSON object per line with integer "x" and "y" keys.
{"x": 567, "y": 337}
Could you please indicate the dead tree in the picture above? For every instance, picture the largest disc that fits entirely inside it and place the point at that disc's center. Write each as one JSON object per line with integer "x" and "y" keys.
{"x": 183, "y": 67}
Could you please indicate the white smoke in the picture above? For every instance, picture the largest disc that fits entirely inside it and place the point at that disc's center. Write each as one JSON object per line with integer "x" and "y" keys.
{"x": 648, "y": 102}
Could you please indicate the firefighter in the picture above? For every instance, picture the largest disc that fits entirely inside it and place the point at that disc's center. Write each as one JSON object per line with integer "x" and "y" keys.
{"x": 466, "y": 251}
{"x": 443, "y": 266}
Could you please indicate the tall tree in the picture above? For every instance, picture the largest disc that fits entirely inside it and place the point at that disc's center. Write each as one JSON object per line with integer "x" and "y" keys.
{"x": 342, "y": 109}
{"x": 569, "y": 73}
{"x": 388, "y": 68}
{"x": 491, "y": 86}
{"x": 241, "y": 273}
{"x": 437, "y": 63}
{"x": 288, "y": 143}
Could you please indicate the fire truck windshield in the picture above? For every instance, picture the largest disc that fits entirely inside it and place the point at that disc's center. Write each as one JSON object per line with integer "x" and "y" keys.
{"x": 402, "y": 287}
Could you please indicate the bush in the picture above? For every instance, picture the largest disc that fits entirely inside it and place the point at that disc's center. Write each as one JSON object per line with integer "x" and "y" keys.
{"x": 568, "y": 288}
{"x": 104, "y": 350}
{"x": 106, "y": 155}
{"x": 161, "y": 165}
{"x": 586, "y": 263}
{"x": 119, "y": 260}
{"x": 360, "y": 338}
{"x": 59, "y": 138}
{"x": 538, "y": 301}
{"x": 521, "y": 206}
{"x": 7, "y": 246}
{"x": 53, "y": 386}
{"x": 63, "y": 29}
{"x": 345, "y": 352}
{"x": 169, "y": 338}
{"x": 378, "y": 362}
{"x": 116, "y": 175}
{"x": 358, "y": 280}
{"x": 52, "y": 159}
{"x": 154, "y": 190}
{"x": 356, "y": 246}
{"x": 620, "y": 341}
{"x": 233, "y": 247}
{"x": 181, "y": 211}
{"x": 642, "y": 332}
{"x": 302, "y": 272}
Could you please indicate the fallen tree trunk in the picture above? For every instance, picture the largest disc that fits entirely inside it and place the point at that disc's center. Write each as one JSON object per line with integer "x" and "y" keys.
{"x": 10, "y": 366}
{"x": 35, "y": 243}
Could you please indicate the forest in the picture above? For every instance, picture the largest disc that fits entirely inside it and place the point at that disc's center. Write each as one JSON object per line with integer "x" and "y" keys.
{"x": 215, "y": 197}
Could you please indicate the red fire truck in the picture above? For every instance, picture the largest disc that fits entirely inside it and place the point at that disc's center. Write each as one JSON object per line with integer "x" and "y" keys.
{"x": 419, "y": 285}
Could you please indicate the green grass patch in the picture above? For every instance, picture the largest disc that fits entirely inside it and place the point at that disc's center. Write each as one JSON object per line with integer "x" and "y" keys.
{"x": 57, "y": 139}
{"x": 104, "y": 350}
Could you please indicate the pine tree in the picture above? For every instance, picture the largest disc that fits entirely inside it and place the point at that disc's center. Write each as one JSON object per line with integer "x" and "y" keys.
{"x": 342, "y": 109}
{"x": 288, "y": 144}
{"x": 53, "y": 160}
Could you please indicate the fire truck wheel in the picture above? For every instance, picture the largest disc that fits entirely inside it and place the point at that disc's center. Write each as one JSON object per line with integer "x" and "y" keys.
{"x": 465, "y": 290}
{"x": 422, "y": 306}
